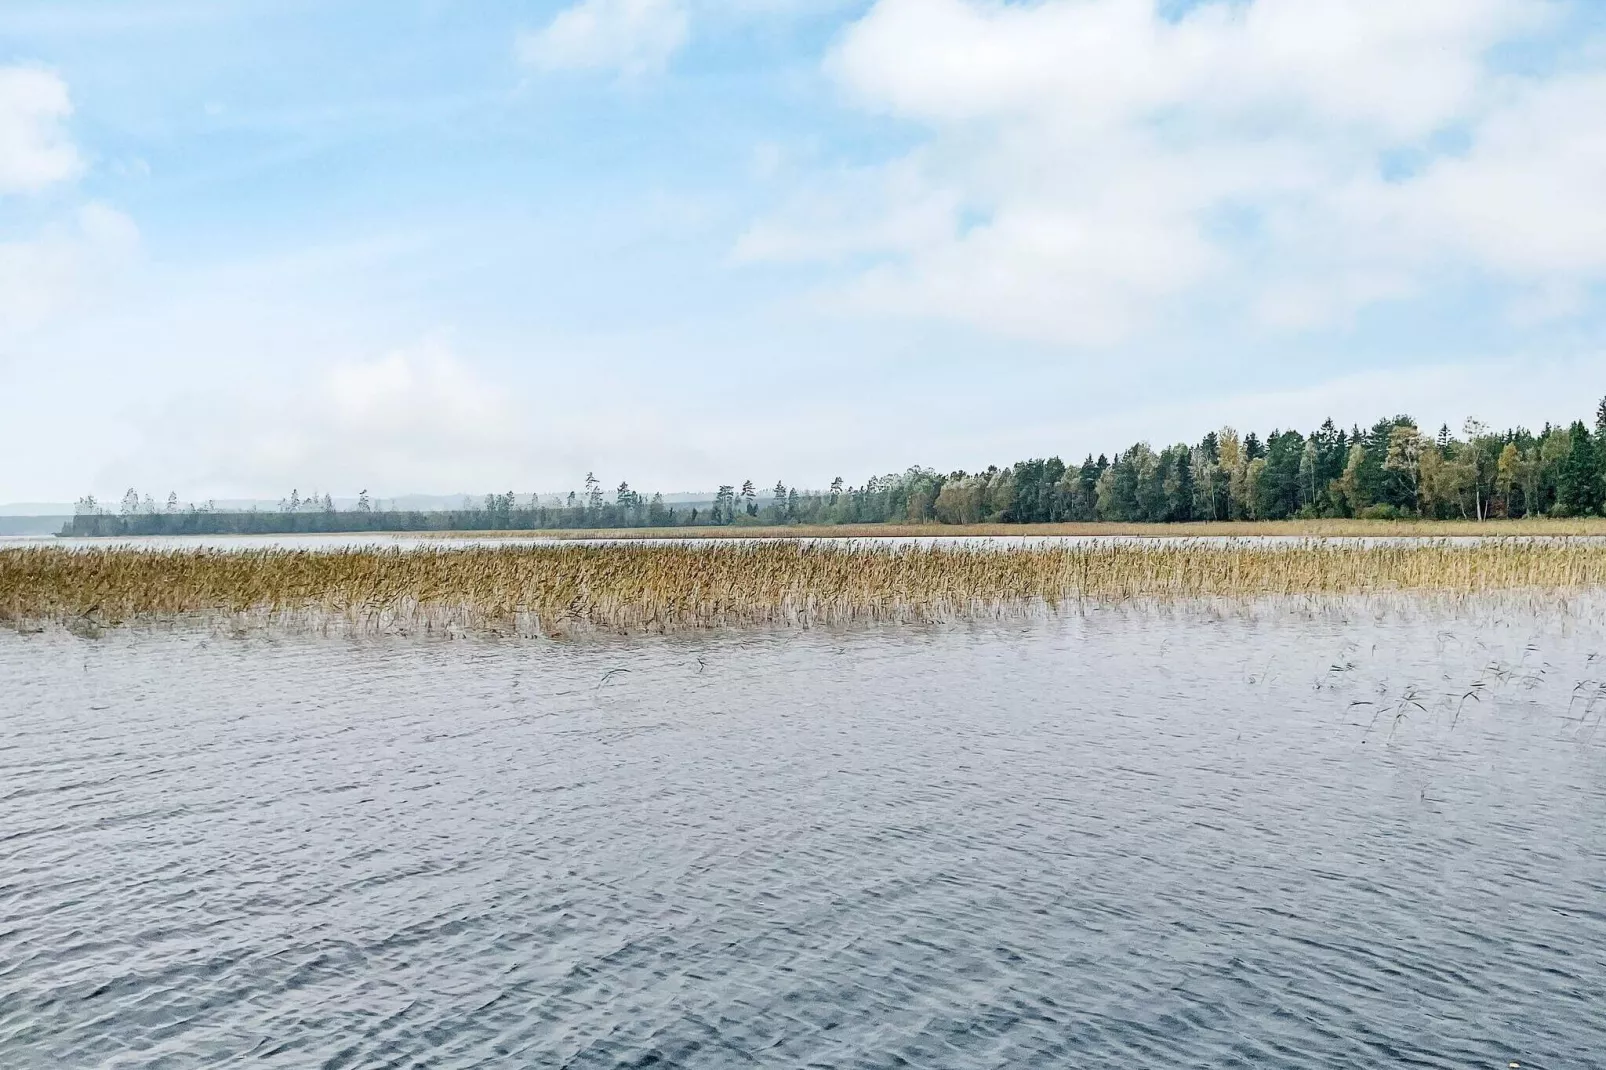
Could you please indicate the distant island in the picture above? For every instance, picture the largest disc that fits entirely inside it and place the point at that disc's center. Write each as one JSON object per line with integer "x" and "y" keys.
{"x": 1393, "y": 471}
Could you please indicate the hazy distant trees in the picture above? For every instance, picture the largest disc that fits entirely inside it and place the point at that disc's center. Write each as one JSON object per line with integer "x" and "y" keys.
{"x": 724, "y": 511}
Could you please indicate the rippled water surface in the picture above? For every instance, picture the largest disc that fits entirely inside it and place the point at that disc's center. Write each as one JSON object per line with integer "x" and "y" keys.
{"x": 1140, "y": 840}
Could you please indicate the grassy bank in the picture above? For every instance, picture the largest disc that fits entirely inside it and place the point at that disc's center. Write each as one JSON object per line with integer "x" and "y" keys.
{"x": 556, "y": 590}
{"x": 1317, "y": 528}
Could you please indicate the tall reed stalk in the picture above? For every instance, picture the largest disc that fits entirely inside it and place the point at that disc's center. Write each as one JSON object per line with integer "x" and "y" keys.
{"x": 558, "y": 589}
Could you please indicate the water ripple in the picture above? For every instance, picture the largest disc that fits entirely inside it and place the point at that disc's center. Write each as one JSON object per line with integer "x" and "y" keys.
{"x": 1100, "y": 841}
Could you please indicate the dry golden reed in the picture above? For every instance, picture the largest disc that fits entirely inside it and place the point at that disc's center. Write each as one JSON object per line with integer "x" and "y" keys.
{"x": 561, "y": 589}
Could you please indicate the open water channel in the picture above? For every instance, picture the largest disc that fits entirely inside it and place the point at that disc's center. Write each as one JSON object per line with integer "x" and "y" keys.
{"x": 1186, "y": 838}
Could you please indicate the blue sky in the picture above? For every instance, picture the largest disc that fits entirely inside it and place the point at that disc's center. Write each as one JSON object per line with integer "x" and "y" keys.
{"x": 431, "y": 246}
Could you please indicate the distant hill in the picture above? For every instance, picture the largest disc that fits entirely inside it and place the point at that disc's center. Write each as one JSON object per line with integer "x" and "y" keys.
{"x": 33, "y": 525}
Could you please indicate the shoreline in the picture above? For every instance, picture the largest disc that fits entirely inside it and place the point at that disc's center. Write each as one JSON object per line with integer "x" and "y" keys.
{"x": 1584, "y": 526}
{"x": 1330, "y": 528}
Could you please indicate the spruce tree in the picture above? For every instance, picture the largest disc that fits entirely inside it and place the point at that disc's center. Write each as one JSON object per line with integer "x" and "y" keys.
{"x": 1578, "y": 484}
{"x": 1183, "y": 509}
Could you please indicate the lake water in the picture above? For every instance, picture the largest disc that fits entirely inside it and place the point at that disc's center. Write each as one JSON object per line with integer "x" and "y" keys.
{"x": 408, "y": 541}
{"x": 1189, "y": 838}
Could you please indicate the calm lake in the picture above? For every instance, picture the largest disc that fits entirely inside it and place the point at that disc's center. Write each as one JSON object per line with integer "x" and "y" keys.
{"x": 1141, "y": 838}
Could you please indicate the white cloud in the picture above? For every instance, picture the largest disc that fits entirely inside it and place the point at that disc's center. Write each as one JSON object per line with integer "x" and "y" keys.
{"x": 419, "y": 418}
{"x": 631, "y": 37}
{"x": 48, "y": 276}
{"x": 1528, "y": 197}
{"x": 1089, "y": 161}
{"x": 35, "y": 151}
{"x": 1404, "y": 67}
{"x": 413, "y": 417}
{"x": 73, "y": 258}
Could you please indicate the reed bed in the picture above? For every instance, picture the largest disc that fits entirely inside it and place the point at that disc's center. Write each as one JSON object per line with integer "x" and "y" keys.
{"x": 568, "y": 589}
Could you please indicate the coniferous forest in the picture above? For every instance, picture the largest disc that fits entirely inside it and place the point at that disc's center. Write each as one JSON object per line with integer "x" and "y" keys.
{"x": 1393, "y": 469}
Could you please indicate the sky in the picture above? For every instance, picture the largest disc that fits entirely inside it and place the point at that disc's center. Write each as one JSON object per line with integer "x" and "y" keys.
{"x": 430, "y": 246}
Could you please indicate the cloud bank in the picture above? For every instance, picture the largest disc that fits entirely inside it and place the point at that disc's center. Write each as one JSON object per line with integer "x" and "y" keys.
{"x": 48, "y": 273}
{"x": 1087, "y": 165}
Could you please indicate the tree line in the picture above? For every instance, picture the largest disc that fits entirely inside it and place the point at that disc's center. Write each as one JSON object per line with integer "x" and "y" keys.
{"x": 138, "y": 514}
{"x": 1393, "y": 469}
